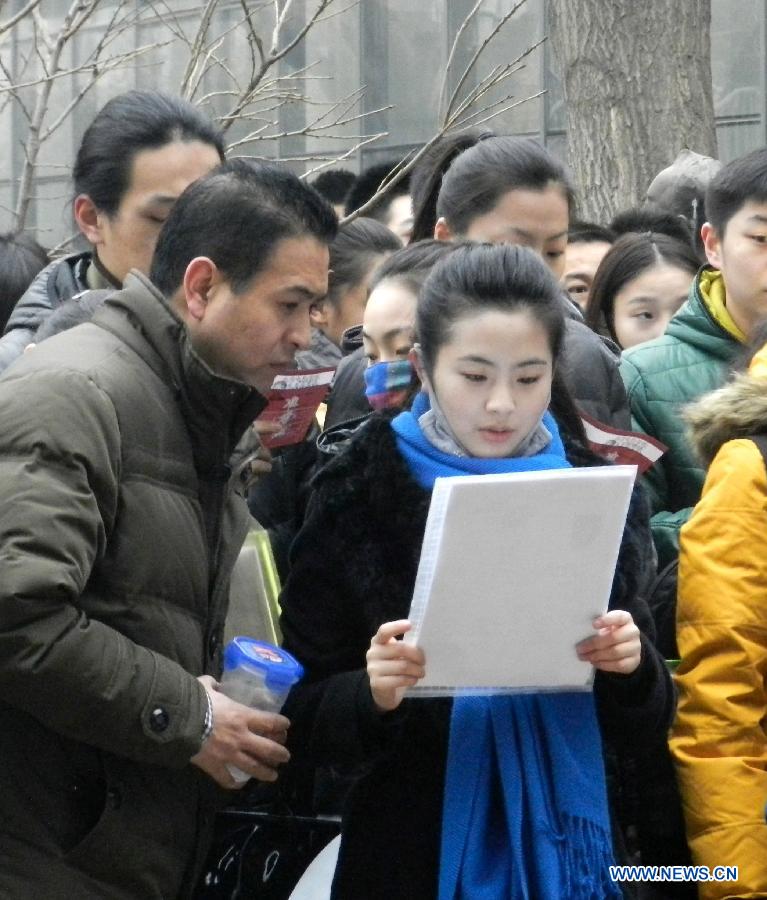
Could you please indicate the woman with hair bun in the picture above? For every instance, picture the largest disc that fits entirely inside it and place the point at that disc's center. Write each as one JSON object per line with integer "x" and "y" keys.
{"x": 513, "y": 191}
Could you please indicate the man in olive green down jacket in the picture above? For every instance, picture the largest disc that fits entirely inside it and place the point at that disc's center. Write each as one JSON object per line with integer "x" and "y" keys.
{"x": 727, "y": 301}
{"x": 119, "y": 527}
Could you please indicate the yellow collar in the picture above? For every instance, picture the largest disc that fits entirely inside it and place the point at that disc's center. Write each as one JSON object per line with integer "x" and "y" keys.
{"x": 712, "y": 291}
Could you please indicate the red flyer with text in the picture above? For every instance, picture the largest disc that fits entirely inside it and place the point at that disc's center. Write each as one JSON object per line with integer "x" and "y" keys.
{"x": 293, "y": 401}
{"x": 627, "y": 448}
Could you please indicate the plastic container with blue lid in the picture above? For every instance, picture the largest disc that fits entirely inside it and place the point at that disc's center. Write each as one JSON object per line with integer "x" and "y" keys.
{"x": 258, "y": 675}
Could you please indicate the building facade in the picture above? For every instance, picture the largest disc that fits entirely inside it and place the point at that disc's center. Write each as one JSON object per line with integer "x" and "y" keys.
{"x": 395, "y": 62}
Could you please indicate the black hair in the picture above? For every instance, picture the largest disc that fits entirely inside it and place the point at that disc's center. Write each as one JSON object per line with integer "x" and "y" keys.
{"x": 581, "y": 232}
{"x": 479, "y": 277}
{"x": 236, "y": 215}
{"x": 428, "y": 172}
{"x": 126, "y": 125}
{"x": 741, "y": 181}
{"x": 628, "y": 257}
{"x": 334, "y": 184}
{"x": 652, "y": 218}
{"x": 356, "y": 247}
{"x": 366, "y": 185}
{"x": 503, "y": 277}
{"x": 21, "y": 258}
{"x": 481, "y": 175}
{"x": 411, "y": 265}
{"x": 71, "y": 312}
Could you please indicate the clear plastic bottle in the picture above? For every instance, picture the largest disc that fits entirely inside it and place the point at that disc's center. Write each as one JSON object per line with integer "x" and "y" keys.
{"x": 258, "y": 675}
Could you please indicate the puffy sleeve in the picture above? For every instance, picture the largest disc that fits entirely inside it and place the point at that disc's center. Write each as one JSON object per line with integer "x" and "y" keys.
{"x": 718, "y": 739}
{"x": 60, "y": 467}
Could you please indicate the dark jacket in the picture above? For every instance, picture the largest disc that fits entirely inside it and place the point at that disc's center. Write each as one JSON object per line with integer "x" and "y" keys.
{"x": 353, "y": 567}
{"x": 321, "y": 353}
{"x": 57, "y": 282}
{"x": 347, "y": 398}
{"x": 589, "y": 366}
{"x": 691, "y": 358}
{"x": 118, "y": 532}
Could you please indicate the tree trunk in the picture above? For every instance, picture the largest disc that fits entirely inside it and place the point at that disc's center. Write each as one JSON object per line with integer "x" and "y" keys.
{"x": 637, "y": 84}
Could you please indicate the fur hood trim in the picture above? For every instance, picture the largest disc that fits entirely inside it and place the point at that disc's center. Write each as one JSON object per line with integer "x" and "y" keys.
{"x": 737, "y": 410}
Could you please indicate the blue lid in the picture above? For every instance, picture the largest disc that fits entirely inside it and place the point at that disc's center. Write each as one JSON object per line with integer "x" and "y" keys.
{"x": 281, "y": 670}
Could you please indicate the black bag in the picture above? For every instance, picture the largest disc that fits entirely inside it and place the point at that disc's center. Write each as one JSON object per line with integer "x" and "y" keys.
{"x": 261, "y": 855}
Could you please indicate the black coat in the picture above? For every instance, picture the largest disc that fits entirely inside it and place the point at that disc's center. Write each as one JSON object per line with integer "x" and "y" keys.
{"x": 55, "y": 284}
{"x": 353, "y": 567}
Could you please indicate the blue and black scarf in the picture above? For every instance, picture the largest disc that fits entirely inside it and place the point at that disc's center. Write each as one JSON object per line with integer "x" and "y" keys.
{"x": 525, "y": 802}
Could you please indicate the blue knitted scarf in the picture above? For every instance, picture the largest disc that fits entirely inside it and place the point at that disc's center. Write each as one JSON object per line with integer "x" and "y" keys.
{"x": 525, "y": 803}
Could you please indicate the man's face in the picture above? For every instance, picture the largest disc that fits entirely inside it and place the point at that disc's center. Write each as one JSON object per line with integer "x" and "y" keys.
{"x": 126, "y": 240}
{"x": 582, "y": 259}
{"x": 741, "y": 255}
{"x": 254, "y": 335}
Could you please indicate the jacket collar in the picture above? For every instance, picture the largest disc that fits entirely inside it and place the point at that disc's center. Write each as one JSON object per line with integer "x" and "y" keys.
{"x": 694, "y": 324}
{"x": 712, "y": 293}
{"x": 217, "y": 410}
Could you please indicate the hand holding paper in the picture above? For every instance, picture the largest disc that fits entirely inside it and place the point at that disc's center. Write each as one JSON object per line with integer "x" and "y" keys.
{"x": 392, "y": 665}
{"x": 616, "y": 647}
{"x": 515, "y": 569}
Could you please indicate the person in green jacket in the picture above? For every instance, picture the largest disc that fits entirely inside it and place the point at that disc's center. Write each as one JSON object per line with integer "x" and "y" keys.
{"x": 694, "y": 355}
{"x": 121, "y": 517}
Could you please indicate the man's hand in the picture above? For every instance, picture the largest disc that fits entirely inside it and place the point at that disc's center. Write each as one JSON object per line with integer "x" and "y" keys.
{"x": 392, "y": 665}
{"x": 248, "y": 739}
{"x": 258, "y": 461}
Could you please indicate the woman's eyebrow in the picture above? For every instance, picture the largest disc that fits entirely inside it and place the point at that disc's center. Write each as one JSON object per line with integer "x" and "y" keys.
{"x": 480, "y": 360}
{"x": 388, "y": 335}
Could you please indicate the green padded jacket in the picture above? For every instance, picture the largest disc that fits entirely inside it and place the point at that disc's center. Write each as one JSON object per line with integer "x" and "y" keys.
{"x": 692, "y": 357}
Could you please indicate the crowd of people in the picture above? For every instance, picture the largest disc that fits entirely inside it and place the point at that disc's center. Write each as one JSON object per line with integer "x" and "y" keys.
{"x": 475, "y": 325}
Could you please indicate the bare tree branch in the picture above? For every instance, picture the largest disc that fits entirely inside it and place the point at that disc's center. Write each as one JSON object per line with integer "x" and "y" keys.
{"x": 251, "y": 89}
{"x": 197, "y": 47}
{"x": 280, "y": 17}
{"x": 79, "y": 12}
{"x": 254, "y": 41}
{"x": 334, "y": 160}
{"x": 475, "y": 57}
{"x": 407, "y": 165}
{"x": 337, "y": 12}
{"x": 96, "y": 73}
{"x": 274, "y": 56}
{"x": 493, "y": 79}
{"x": 463, "y": 26}
{"x": 21, "y": 14}
{"x": 500, "y": 112}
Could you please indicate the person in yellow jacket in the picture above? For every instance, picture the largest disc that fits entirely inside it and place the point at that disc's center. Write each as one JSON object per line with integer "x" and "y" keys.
{"x": 718, "y": 740}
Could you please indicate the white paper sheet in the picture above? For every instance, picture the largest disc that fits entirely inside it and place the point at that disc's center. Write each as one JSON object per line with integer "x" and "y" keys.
{"x": 513, "y": 570}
